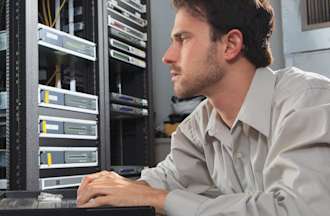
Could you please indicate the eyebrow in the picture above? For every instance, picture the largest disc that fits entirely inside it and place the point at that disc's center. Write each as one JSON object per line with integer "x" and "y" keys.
{"x": 179, "y": 34}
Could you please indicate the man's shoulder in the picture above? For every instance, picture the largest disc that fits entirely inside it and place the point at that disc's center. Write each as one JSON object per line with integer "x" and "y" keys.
{"x": 296, "y": 80}
{"x": 296, "y": 89}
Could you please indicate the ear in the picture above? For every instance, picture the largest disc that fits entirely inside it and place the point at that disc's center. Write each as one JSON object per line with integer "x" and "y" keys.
{"x": 233, "y": 41}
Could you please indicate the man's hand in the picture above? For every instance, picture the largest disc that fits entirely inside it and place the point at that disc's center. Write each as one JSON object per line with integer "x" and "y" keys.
{"x": 109, "y": 188}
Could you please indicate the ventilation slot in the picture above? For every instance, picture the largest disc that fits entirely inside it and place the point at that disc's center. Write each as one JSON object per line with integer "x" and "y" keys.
{"x": 317, "y": 14}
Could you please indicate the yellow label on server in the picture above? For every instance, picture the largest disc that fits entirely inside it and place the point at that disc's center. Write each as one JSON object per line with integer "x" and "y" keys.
{"x": 49, "y": 159}
{"x": 44, "y": 126}
{"x": 46, "y": 97}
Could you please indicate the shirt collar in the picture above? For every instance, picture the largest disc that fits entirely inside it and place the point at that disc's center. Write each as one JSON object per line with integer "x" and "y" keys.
{"x": 214, "y": 122}
{"x": 256, "y": 108}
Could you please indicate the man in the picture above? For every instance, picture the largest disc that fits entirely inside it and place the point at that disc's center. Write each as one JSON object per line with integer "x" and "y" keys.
{"x": 259, "y": 143}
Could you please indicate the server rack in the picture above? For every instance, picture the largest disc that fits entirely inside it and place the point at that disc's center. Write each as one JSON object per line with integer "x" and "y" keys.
{"x": 3, "y": 94}
{"x": 71, "y": 119}
{"x": 128, "y": 40}
{"x": 55, "y": 85}
{"x": 49, "y": 107}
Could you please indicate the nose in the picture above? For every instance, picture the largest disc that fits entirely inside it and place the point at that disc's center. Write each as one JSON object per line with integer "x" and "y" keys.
{"x": 170, "y": 56}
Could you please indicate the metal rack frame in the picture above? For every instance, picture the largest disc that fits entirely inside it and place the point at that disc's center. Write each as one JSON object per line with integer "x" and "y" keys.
{"x": 22, "y": 66}
{"x": 147, "y": 134}
{"x": 22, "y": 85}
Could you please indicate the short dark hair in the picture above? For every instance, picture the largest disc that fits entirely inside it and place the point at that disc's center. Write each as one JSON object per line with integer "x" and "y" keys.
{"x": 254, "y": 18}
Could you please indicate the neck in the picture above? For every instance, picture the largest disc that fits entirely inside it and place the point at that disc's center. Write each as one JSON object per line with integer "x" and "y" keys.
{"x": 228, "y": 95}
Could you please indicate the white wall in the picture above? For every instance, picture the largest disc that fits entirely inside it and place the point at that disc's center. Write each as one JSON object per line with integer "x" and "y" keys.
{"x": 277, "y": 38}
{"x": 162, "y": 18}
{"x": 316, "y": 61}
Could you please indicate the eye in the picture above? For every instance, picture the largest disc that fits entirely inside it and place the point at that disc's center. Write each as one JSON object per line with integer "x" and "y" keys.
{"x": 181, "y": 38}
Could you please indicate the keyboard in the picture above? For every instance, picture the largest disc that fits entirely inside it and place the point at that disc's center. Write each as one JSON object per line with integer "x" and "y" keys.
{"x": 30, "y": 203}
{"x": 26, "y": 203}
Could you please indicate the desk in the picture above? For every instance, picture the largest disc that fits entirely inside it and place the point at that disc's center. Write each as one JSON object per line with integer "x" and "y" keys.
{"x": 25, "y": 203}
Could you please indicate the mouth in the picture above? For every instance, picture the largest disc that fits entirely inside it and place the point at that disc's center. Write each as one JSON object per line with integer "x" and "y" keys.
{"x": 174, "y": 75}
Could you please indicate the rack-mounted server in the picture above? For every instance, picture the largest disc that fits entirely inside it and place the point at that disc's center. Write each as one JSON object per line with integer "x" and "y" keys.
{"x": 59, "y": 127}
{"x": 126, "y": 28}
{"x": 60, "y": 182}
{"x": 127, "y": 37}
{"x": 68, "y": 100}
{"x": 67, "y": 157}
{"x": 67, "y": 43}
{"x": 115, "y": 7}
{"x": 126, "y": 99}
{"x": 126, "y": 58}
{"x": 3, "y": 40}
{"x": 127, "y": 48}
{"x": 128, "y": 110}
{"x": 136, "y": 4}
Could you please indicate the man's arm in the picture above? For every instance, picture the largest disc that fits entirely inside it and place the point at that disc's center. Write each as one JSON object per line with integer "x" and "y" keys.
{"x": 108, "y": 188}
{"x": 296, "y": 175}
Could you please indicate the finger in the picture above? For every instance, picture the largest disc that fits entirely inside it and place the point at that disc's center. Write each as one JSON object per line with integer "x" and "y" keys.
{"x": 95, "y": 186}
{"x": 98, "y": 174}
{"x": 89, "y": 178}
{"x": 85, "y": 181}
{"x": 97, "y": 202}
{"x": 91, "y": 192}
{"x": 90, "y": 204}
{"x": 108, "y": 180}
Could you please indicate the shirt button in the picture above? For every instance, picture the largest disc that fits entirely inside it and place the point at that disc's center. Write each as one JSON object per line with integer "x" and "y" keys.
{"x": 239, "y": 155}
{"x": 211, "y": 133}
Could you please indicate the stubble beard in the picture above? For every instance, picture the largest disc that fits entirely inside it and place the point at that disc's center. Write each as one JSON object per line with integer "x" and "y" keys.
{"x": 204, "y": 77}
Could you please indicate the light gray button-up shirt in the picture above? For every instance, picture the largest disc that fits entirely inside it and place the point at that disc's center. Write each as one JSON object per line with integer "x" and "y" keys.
{"x": 274, "y": 161}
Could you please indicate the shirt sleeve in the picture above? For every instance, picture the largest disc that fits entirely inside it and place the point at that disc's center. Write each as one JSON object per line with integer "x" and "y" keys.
{"x": 184, "y": 168}
{"x": 296, "y": 174}
{"x": 163, "y": 176}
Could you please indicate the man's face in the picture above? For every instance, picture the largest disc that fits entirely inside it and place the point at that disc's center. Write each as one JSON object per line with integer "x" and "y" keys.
{"x": 192, "y": 56}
